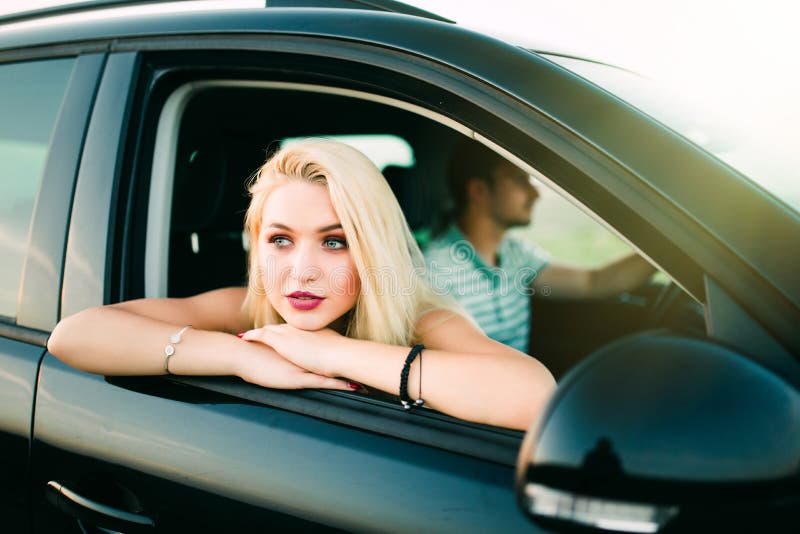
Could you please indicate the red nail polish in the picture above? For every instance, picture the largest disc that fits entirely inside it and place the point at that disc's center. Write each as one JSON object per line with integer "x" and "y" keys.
{"x": 240, "y": 335}
{"x": 352, "y": 385}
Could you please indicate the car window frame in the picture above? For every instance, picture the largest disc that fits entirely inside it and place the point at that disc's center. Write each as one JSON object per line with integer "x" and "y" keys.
{"x": 503, "y": 119}
{"x": 374, "y": 415}
{"x": 433, "y": 429}
{"x": 484, "y": 442}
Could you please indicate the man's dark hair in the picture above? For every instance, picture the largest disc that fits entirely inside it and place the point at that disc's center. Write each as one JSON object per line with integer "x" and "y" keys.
{"x": 469, "y": 159}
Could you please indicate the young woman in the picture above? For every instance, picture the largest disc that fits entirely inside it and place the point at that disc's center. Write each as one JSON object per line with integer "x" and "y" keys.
{"x": 337, "y": 297}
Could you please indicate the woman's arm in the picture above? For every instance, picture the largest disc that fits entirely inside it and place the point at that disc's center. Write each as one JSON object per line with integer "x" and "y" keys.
{"x": 129, "y": 339}
{"x": 464, "y": 373}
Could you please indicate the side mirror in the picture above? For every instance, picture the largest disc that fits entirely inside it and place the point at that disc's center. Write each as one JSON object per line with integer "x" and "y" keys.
{"x": 657, "y": 433}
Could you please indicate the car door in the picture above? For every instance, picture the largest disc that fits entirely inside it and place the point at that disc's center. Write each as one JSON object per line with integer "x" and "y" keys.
{"x": 208, "y": 453}
{"x": 45, "y": 101}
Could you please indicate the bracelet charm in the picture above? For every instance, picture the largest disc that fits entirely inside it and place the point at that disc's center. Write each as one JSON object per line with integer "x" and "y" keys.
{"x": 169, "y": 349}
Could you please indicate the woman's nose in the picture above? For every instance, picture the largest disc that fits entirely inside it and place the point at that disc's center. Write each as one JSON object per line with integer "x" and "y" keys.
{"x": 305, "y": 266}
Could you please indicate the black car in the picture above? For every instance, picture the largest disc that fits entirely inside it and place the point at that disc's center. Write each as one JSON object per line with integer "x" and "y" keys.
{"x": 126, "y": 139}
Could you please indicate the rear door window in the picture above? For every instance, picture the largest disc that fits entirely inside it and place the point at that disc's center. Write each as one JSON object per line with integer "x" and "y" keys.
{"x": 30, "y": 99}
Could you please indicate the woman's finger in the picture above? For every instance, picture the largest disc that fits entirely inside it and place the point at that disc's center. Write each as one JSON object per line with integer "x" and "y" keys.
{"x": 262, "y": 335}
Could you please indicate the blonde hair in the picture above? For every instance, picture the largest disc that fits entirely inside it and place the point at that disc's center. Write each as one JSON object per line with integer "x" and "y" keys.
{"x": 379, "y": 240}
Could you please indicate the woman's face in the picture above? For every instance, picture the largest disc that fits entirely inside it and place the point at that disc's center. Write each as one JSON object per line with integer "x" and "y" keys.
{"x": 306, "y": 267}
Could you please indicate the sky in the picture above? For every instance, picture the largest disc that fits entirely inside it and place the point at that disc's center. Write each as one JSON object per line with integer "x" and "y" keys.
{"x": 735, "y": 59}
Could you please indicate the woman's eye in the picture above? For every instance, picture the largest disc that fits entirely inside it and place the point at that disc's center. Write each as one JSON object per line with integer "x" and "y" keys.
{"x": 280, "y": 241}
{"x": 334, "y": 243}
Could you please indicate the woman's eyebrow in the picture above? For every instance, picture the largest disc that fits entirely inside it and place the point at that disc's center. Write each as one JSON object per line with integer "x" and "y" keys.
{"x": 328, "y": 228}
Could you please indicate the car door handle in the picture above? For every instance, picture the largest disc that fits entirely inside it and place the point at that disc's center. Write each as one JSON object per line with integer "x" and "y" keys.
{"x": 95, "y": 513}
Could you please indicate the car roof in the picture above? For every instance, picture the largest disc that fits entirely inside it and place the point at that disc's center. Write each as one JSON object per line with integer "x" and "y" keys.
{"x": 117, "y": 23}
{"x": 89, "y": 6}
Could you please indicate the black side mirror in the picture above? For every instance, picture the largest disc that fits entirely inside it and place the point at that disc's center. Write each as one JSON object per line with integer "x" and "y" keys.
{"x": 657, "y": 433}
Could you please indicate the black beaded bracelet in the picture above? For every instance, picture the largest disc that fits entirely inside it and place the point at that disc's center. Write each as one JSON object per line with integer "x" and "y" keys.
{"x": 405, "y": 400}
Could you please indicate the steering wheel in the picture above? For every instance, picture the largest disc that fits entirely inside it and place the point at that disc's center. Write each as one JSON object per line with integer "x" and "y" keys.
{"x": 664, "y": 301}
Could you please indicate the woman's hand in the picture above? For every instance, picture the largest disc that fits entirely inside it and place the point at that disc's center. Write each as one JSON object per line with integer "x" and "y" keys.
{"x": 263, "y": 366}
{"x": 314, "y": 351}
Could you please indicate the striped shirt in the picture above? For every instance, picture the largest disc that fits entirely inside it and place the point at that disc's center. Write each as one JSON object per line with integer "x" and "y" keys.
{"x": 498, "y": 298}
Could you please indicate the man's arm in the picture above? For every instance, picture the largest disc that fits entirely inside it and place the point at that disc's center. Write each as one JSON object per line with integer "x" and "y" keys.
{"x": 615, "y": 277}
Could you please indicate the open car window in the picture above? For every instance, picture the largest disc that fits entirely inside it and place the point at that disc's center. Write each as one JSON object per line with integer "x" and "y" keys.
{"x": 211, "y": 136}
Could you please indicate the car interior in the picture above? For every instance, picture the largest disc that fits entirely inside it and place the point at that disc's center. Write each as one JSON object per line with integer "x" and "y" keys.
{"x": 225, "y": 134}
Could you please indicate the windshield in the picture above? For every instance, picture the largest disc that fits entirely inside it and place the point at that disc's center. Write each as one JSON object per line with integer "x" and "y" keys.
{"x": 769, "y": 162}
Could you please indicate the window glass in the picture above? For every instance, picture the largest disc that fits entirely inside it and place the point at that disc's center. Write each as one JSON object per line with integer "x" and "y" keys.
{"x": 570, "y": 236}
{"x": 567, "y": 234}
{"x": 30, "y": 98}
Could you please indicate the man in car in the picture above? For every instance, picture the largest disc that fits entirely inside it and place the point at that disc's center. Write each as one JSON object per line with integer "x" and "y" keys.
{"x": 493, "y": 274}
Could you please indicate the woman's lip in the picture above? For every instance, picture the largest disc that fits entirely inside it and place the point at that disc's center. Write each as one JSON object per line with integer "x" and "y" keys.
{"x": 300, "y": 294}
{"x": 304, "y": 303}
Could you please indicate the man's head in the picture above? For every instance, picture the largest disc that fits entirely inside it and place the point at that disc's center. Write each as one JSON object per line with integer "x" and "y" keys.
{"x": 483, "y": 183}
